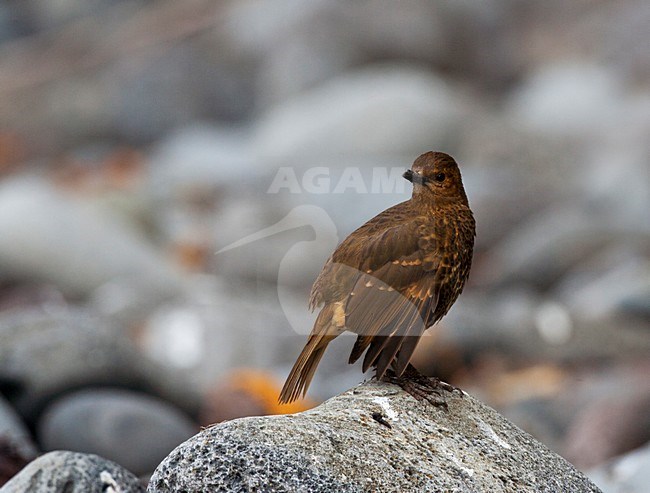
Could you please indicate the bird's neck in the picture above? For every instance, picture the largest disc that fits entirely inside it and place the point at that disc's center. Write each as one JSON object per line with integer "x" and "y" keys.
{"x": 437, "y": 203}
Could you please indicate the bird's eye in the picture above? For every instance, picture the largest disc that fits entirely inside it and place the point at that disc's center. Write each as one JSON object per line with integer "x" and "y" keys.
{"x": 439, "y": 177}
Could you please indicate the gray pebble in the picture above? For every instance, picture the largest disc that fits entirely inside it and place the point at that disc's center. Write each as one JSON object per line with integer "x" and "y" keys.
{"x": 72, "y": 472}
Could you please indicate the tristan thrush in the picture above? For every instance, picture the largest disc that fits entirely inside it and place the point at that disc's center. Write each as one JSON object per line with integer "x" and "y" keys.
{"x": 393, "y": 277}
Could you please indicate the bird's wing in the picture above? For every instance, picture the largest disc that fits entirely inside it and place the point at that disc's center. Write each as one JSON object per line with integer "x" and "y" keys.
{"x": 390, "y": 235}
{"x": 389, "y": 276}
{"x": 393, "y": 305}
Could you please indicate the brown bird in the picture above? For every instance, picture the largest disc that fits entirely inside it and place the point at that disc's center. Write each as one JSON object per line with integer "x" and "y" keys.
{"x": 393, "y": 277}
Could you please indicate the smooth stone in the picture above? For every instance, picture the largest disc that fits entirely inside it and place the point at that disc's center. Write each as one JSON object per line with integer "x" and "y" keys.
{"x": 374, "y": 437}
{"x": 71, "y": 472}
{"x": 130, "y": 428}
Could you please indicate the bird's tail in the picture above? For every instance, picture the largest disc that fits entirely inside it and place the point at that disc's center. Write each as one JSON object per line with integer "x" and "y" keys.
{"x": 325, "y": 330}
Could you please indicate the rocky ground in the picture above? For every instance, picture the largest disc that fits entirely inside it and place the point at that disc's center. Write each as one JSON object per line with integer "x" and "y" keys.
{"x": 137, "y": 139}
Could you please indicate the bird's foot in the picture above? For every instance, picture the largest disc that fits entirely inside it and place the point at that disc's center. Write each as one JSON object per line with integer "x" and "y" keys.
{"x": 436, "y": 382}
{"x": 421, "y": 387}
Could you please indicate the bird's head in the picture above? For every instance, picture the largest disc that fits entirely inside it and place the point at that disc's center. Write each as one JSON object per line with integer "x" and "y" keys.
{"x": 436, "y": 177}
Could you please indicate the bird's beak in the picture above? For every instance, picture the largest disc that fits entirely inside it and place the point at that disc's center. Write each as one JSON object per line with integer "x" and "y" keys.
{"x": 413, "y": 177}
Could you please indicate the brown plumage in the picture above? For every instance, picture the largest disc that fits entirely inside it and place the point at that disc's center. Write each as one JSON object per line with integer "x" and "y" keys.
{"x": 394, "y": 277}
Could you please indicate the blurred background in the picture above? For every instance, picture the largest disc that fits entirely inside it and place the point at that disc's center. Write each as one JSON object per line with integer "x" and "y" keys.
{"x": 139, "y": 137}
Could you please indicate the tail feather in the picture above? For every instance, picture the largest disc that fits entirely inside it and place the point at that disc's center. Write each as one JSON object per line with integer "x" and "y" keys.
{"x": 329, "y": 324}
{"x": 360, "y": 345}
{"x": 303, "y": 370}
{"x": 387, "y": 355}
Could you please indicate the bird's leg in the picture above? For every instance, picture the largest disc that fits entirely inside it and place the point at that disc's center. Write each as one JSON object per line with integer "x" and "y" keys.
{"x": 421, "y": 387}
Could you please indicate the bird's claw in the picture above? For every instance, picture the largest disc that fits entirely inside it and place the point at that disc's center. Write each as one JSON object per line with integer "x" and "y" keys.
{"x": 425, "y": 392}
{"x": 423, "y": 388}
{"x": 436, "y": 382}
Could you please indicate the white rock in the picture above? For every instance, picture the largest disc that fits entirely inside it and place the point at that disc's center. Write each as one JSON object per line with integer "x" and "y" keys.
{"x": 568, "y": 97}
{"x": 385, "y": 109}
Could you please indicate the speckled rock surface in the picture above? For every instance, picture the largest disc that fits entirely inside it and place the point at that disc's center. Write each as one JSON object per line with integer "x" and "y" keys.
{"x": 73, "y": 472}
{"x": 374, "y": 437}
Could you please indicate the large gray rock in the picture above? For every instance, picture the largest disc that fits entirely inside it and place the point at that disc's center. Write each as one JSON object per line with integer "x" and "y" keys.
{"x": 71, "y": 472}
{"x": 374, "y": 437}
